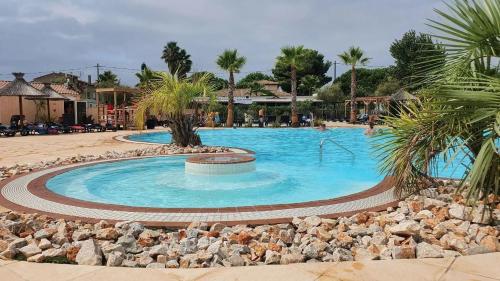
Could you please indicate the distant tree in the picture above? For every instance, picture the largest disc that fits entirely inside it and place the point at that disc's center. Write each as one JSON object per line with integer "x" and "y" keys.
{"x": 107, "y": 79}
{"x": 367, "y": 80}
{"x": 292, "y": 58}
{"x": 353, "y": 57}
{"x": 412, "y": 54}
{"x": 231, "y": 62}
{"x": 216, "y": 82}
{"x": 308, "y": 84}
{"x": 314, "y": 65}
{"x": 251, "y": 78}
{"x": 388, "y": 87}
{"x": 177, "y": 59}
{"x": 331, "y": 93}
{"x": 146, "y": 76}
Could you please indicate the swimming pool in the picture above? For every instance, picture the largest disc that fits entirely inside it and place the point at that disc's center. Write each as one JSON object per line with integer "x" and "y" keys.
{"x": 290, "y": 168}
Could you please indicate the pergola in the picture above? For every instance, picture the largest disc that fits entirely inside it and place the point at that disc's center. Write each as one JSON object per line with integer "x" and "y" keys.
{"x": 385, "y": 100}
{"x": 119, "y": 112}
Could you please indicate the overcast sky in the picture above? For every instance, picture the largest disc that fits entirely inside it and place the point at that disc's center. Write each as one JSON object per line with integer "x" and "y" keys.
{"x": 46, "y": 35}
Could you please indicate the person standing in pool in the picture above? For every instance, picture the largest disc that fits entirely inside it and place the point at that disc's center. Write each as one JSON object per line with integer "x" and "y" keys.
{"x": 370, "y": 131}
{"x": 322, "y": 127}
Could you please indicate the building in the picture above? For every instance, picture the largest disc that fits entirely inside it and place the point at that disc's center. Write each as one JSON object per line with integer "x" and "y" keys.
{"x": 268, "y": 92}
{"x": 79, "y": 105}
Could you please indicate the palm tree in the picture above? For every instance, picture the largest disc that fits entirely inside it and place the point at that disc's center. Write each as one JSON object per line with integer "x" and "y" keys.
{"x": 107, "y": 79}
{"x": 171, "y": 96}
{"x": 232, "y": 63}
{"x": 146, "y": 76}
{"x": 177, "y": 59}
{"x": 293, "y": 56}
{"x": 459, "y": 114}
{"x": 352, "y": 57}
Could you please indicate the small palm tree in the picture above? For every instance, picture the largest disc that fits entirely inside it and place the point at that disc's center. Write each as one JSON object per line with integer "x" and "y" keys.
{"x": 352, "y": 57}
{"x": 232, "y": 63}
{"x": 170, "y": 96}
{"x": 107, "y": 79}
{"x": 293, "y": 56}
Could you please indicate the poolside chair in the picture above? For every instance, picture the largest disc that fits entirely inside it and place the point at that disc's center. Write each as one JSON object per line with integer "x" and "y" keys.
{"x": 285, "y": 119}
{"x": 270, "y": 120}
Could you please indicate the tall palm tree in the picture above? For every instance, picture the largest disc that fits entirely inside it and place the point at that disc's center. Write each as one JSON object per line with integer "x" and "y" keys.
{"x": 146, "y": 76}
{"x": 171, "y": 96}
{"x": 177, "y": 59}
{"x": 352, "y": 57}
{"x": 232, "y": 63}
{"x": 293, "y": 56}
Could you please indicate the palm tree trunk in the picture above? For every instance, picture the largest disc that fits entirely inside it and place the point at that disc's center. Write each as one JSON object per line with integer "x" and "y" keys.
{"x": 183, "y": 133}
{"x": 295, "y": 118}
{"x": 230, "y": 101}
{"x": 353, "y": 95}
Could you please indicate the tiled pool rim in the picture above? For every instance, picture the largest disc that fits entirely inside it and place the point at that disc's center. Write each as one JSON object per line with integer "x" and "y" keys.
{"x": 28, "y": 193}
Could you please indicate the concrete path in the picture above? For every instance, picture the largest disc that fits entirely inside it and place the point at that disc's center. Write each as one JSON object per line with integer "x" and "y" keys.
{"x": 479, "y": 267}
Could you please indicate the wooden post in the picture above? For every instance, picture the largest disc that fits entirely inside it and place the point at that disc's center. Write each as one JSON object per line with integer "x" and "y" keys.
{"x": 114, "y": 108}
{"x": 20, "y": 105}
{"x": 124, "y": 113}
{"x": 48, "y": 110}
{"x": 98, "y": 110}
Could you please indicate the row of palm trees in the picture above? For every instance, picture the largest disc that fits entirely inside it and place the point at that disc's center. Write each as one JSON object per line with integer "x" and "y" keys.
{"x": 292, "y": 56}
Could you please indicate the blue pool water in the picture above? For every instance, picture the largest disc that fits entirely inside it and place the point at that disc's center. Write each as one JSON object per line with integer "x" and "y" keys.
{"x": 290, "y": 168}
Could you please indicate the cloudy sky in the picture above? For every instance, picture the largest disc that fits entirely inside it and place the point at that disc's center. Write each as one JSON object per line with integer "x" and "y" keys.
{"x": 52, "y": 35}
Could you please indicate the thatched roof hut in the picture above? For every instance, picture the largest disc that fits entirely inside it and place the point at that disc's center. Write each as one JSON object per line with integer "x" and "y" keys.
{"x": 402, "y": 95}
{"x": 20, "y": 88}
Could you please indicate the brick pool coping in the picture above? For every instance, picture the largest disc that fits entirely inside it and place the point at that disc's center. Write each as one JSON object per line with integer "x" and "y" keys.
{"x": 28, "y": 193}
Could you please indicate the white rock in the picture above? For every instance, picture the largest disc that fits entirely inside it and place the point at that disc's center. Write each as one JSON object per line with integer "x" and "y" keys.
{"x": 89, "y": 254}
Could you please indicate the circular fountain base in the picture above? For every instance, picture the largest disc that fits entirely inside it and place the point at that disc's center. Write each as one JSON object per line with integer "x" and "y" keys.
{"x": 220, "y": 164}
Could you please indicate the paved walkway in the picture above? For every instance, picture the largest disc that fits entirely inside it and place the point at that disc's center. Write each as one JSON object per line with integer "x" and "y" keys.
{"x": 480, "y": 267}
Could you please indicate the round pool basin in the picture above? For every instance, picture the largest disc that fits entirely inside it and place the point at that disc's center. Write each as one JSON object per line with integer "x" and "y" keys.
{"x": 290, "y": 167}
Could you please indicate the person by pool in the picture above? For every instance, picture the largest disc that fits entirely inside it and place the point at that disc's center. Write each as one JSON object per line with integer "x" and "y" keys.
{"x": 322, "y": 127}
{"x": 370, "y": 131}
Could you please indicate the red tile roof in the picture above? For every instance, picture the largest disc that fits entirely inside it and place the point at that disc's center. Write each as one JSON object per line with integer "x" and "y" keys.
{"x": 59, "y": 88}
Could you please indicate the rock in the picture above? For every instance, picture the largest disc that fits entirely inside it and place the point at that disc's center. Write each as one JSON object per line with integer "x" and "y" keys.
{"x": 3, "y": 245}
{"x": 198, "y": 225}
{"x": 18, "y": 243}
{"x": 158, "y": 250}
{"x": 424, "y": 214}
{"x": 361, "y": 254}
{"x": 218, "y": 227}
{"x": 156, "y": 265}
{"x": 476, "y": 250}
{"x": 457, "y": 211}
{"x": 89, "y": 254}
{"x": 292, "y": 258}
{"x": 44, "y": 244}
{"x": 426, "y": 250}
{"x": 244, "y": 238}
{"x": 379, "y": 238}
{"x": 79, "y": 235}
{"x": 328, "y": 224}
{"x": 258, "y": 251}
{"x": 107, "y": 234}
{"x": 361, "y": 218}
{"x": 430, "y": 203}
{"x": 312, "y": 221}
{"x": 172, "y": 264}
{"x": 490, "y": 242}
{"x": 187, "y": 246}
{"x": 344, "y": 240}
{"x": 71, "y": 253}
{"x": 453, "y": 242}
{"x": 203, "y": 243}
{"x": 272, "y": 257}
{"x": 405, "y": 228}
{"x": 341, "y": 254}
{"x": 53, "y": 253}
{"x": 36, "y": 258}
{"x": 144, "y": 259}
{"x": 236, "y": 260}
{"x": 30, "y": 250}
{"x": 129, "y": 263}
{"x": 44, "y": 233}
{"x": 114, "y": 259}
{"x": 323, "y": 234}
{"x": 480, "y": 215}
{"x": 403, "y": 252}
{"x": 314, "y": 249}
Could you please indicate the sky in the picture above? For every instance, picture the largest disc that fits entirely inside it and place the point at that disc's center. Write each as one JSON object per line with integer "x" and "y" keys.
{"x": 41, "y": 36}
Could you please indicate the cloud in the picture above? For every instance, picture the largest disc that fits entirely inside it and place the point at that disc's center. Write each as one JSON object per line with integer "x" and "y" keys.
{"x": 128, "y": 32}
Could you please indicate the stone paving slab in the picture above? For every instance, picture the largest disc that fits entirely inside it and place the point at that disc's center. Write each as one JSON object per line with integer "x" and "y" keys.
{"x": 478, "y": 267}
